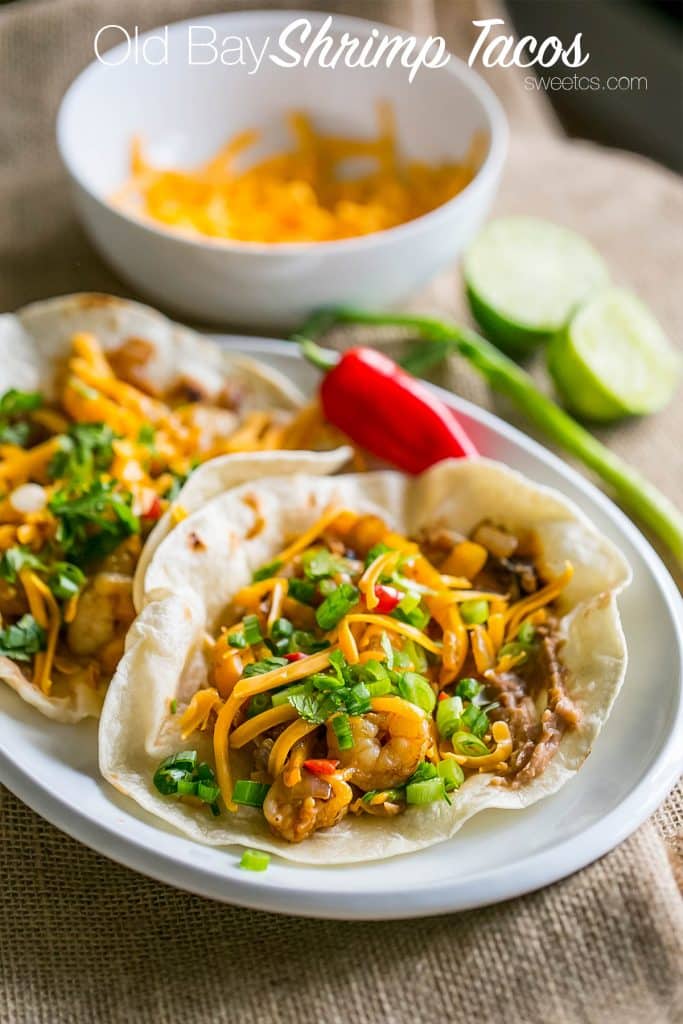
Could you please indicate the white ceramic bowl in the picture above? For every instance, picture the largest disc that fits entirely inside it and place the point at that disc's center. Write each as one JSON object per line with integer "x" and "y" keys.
{"x": 184, "y": 112}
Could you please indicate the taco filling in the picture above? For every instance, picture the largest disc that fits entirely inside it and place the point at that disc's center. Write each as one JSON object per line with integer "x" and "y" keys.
{"x": 363, "y": 671}
{"x": 84, "y": 476}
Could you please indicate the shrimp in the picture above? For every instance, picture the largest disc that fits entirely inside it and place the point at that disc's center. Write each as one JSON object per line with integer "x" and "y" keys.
{"x": 105, "y": 609}
{"x": 387, "y": 748}
{"x": 294, "y": 812}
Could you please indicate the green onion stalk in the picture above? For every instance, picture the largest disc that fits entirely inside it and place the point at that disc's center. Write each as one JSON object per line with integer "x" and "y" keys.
{"x": 630, "y": 488}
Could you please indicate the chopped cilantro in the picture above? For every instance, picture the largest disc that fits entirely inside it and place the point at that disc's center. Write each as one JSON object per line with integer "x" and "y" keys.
{"x": 257, "y": 668}
{"x": 22, "y": 640}
{"x": 13, "y": 405}
{"x": 86, "y": 449}
{"x": 91, "y": 523}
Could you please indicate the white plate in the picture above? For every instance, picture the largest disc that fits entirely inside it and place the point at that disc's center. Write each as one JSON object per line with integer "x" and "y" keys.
{"x": 497, "y": 855}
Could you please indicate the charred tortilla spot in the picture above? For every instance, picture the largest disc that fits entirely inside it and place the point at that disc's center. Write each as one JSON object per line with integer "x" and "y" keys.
{"x": 195, "y": 542}
{"x": 251, "y": 501}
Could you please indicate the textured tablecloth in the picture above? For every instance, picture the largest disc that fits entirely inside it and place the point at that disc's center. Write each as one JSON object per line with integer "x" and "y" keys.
{"x": 82, "y": 939}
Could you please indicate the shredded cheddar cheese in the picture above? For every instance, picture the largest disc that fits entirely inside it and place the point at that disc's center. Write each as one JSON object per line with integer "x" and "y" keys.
{"x": 325, "y": 187}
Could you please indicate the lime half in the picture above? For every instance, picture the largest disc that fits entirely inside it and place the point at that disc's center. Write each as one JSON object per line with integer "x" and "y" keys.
{"x": 525, "y": 277}
{"x": 613, "y": 359}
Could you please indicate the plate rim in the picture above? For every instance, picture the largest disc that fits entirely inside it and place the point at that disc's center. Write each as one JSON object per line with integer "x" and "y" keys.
{"x": 532, "y": 872}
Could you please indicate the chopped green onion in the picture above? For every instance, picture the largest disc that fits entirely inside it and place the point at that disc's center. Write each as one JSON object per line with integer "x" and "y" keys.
{"x": 452, "y": 774}
{"x": 342, "y": 731}
{"x": 66, "y": 581}
{"x": 320, "y": 562}
{"x": 255, "y": 860}
{"x": 475, "y": 720}
{"x": 336, "y": 606}
{"x": 448, "y": 714}
{"x": 417, "y": 690}
{"x": 409, "y": 603}
{"x": 173, "y": 706}
{"x": 179, "y": 774}
{"x": 417, "y": 617}
{"x": 393, "y": 795}
{"x": 426, "y": 792}
{"x": 301, "y": 640}
{"x": 282, "y": 696}
{"x": 252, "y": 629}
{"x": 237, "y": 640}
{"x": 416, "y": 655}
{"x": 186, "y": 787}
{"x": 250, "y": 794}
{"x": 385, "y": 644}
{"x": 185, "y": 759}
{"x": 266, "y": 571}
{"x": 303, "y": 591}
{"x": 468, "y": 688}
{"x": 281, "y": 628}
{"x": 326, "y": 682}
{"x": 327, "y": 587}
{"x": 425, "y": 770}
{"x": 467, "y": 745}
{"x": 166, "y": 779}
{"x": 515, "y": 649}
{"x": 259, "y": 703}
{"x": 207, "y": 792}
{"x": 474, "y": 612}
{"x": 526, "y": 633}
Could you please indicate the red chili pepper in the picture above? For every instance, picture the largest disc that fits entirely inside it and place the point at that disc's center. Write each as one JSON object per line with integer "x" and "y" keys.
{"x": 296, "y": 656}
{"x": 386, "y": 410}
{"x": 155, "y": 509}
{"x": 321, "y": 766}
{"x": 443, "y": 695}
{"x": 388, "y": 598}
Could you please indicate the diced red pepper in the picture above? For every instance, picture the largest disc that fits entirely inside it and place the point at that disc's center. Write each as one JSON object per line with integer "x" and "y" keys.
{"x": 443, "y": 695}
{"x": 296, "y": 656}
{"x": 321, "y": 766}
{"x": 388, "y": 598}
{"x": 155, "y": 509}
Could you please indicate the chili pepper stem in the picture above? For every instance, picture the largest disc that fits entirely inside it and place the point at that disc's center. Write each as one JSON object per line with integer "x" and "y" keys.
{"x": 324, "y": 358}
{"x": 635, "y": 492}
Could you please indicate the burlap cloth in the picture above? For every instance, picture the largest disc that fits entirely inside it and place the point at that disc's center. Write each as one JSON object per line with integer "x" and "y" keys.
{"x": 82, "y": 939}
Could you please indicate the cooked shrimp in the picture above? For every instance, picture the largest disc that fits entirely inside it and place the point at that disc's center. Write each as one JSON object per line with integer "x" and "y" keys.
{"x": 387, "y": 747}
{"x": 294, "y": 812}
{"x": 104, "y": 609}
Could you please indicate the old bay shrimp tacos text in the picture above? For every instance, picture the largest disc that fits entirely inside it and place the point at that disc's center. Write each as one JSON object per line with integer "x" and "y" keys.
{"x": 347, "y": 668}
{"x": 105, "y": 408}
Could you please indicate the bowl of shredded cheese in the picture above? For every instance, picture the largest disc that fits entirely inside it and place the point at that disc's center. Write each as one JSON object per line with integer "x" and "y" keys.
{"x": 251, "y": 197}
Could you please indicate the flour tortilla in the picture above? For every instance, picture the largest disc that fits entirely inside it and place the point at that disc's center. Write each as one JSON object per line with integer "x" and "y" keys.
{"x": 34, "y": 344}
{"x": 187, "y": 587}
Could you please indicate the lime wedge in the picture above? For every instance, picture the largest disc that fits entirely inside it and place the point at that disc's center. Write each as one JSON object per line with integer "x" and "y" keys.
{"x": 613, "y": 359}
{"x": 524, "y": 278}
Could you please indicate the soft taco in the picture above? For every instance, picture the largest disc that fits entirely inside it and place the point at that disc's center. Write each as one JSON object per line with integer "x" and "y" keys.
{"x": 348, "y": 668}
{"x": 106, "y": 407}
